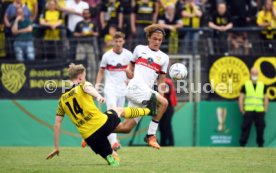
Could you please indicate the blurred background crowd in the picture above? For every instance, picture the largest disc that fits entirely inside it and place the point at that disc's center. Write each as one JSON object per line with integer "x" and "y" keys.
{"x": 77, "y": 29}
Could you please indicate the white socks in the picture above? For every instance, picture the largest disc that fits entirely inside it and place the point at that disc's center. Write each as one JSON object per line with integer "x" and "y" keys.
{"x": 153, "y": 126}
{"x": 112, "y": 138}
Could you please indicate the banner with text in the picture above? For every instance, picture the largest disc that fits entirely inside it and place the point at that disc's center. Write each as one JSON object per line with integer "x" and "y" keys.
{"x": 219, "y": 124}
{"x": 227, "y": 74}
{"x": 39, "y": 79}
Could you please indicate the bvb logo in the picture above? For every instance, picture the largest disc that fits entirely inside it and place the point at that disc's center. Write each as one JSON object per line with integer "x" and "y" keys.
{"x": 13, "y": 77}
{"x": 266, "y": 67}
{"x": 230, "y": 71}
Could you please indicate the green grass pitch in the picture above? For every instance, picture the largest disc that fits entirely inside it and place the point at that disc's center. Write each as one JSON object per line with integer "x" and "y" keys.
{"x": 140, "y": 160}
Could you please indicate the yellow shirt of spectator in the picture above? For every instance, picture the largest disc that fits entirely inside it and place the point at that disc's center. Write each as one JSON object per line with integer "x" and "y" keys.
{"x": 165, "y": 3}
{"x": 81, "y": 109}
{"x": 51, "y": 17}
{"x": 168, "y": 2}
{"x": 267, "y": 17}
{"x": 30, "y": 4}
{"x": 191, "y": 22}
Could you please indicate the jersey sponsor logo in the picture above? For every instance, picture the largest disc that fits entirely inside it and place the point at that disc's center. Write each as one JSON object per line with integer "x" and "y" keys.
{"x": 149, "y": 63}
{"x": 150, "y": 60}
{"x": 118, "y": 67}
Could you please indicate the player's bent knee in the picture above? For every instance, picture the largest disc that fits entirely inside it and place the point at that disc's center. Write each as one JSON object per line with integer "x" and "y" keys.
{"x": 119, "y": 111}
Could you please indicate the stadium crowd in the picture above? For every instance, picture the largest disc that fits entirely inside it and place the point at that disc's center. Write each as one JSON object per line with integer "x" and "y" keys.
{"x": 85, "y": 27}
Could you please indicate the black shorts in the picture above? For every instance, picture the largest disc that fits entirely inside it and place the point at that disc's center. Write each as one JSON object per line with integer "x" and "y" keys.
{"x": 98, "y": 141}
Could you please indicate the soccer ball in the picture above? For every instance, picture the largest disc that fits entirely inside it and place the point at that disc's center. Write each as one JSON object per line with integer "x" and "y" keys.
{"x": 178, "y": 71}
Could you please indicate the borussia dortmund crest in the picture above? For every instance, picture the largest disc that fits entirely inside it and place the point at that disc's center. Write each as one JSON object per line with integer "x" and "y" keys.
{"x": 13, "y": 77}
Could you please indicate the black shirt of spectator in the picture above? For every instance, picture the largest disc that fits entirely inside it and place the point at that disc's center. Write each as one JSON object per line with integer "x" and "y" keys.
{"x": 144, "y": 12}
{"x": 111, "y": 12}
{"x": 174, "y": 21}
{"x": 85, "y": 27}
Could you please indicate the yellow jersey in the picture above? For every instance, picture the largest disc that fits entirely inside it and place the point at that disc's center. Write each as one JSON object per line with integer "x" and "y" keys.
{"x": 81, "y": 109}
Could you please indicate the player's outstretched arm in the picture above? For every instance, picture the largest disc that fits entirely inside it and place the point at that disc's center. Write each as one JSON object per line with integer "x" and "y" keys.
{"x": 99, "y": 78}
{"x": 89, "y": 89}
{"x": 130, "y": 70}
{"x": 56, "y": 137}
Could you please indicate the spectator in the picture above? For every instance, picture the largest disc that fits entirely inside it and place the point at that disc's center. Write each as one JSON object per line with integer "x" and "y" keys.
{"x": 5, "y": 4}
{"x": 86, "y": 32}
{"x": 22, "y": 30}
{"x": 145, "y": 13}
{"x": 266, "y": 19}
{"x": 165, "y": 124}
{"x": 41, "y": 6}
{"x": 126, "y": 7}
{"x": 74, "y": 9}
{"x": 2, "y": 33}
{"x": 11, "y": 14}
{"x": 253, "y": 103}
{"x": 165, "y": 3}
{"x": 239, "y": 11}
{"x": 220, "y": 22}
{"x": 239, "y": 44}
{"x": 162, "y": 4}
{"x": 108, "y": 38}
{"x": 111, "y": 14}
{"x": 171, "y": 22}
{"x": 51, "y": 20}
{"x": 191, "y": 15}
{"x": 33, "y": 7}
{"x": 94, "y": 7}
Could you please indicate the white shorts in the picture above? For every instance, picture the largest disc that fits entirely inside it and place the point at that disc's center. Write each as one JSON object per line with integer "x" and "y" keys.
{"x": 137, "y": 95}
{"x": 114, "y": 101}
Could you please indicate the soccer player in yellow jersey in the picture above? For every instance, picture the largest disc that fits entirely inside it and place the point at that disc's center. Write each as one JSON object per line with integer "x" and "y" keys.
{"x": 93, "y": 125}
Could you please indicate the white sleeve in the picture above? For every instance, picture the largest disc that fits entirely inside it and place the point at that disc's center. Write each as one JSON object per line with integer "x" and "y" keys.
{"x": 68, "y": 4}
{"x": 89, "y": 89}
{"x": 165, "y": 65}
{"x": 85, "y": 5}
{"x": 86, "y": 86}
{"x": 103, "y": 61}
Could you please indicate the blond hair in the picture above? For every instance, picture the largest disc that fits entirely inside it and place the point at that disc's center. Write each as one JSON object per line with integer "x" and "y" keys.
{"x": 154, "y": 28}
{"x": 119, "y": 34}
{"x": 74, "y": 70}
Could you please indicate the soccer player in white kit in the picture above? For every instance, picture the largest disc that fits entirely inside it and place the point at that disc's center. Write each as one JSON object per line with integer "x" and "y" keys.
{"x": 113, "y": 65}
{"x": 148, "y": 64}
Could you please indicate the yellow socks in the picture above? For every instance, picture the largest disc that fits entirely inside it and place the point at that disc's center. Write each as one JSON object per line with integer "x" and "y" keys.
{"x": 136, "y": 112}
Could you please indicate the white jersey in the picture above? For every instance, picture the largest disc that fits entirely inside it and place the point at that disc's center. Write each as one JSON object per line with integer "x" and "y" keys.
{"x": 148, "y": 65}
{"x": 115, "y": 75}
